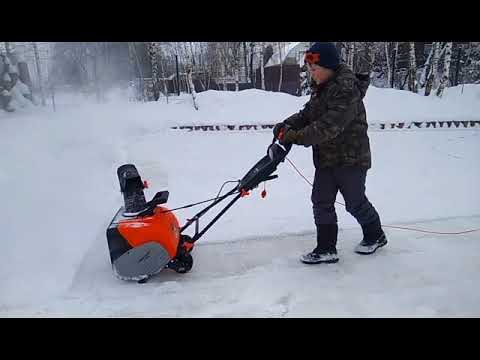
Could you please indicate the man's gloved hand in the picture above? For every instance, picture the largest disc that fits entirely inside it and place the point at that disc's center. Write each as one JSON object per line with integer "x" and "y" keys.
{"x": 278, "y": 128}
{"x": 284, "y": 133}
{"x": 289, "y": 137}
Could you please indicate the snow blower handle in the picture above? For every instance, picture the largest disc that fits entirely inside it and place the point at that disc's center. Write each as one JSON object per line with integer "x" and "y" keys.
{"x": 281, "y": 132}
{"x": 280, "y": 137}
{"x": 262, "y": 171}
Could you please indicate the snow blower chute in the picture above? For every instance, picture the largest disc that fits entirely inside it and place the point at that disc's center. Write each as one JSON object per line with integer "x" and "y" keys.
{"x": 146, "y": 237}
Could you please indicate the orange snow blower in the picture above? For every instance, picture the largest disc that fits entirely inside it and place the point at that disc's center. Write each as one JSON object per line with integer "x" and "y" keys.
{"x": 145, "y": 237}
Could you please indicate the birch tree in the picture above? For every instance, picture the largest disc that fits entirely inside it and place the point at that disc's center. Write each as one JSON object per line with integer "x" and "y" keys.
{"x": 426, "y": 67}
{"x": 165, "y": 89}
{"x": 370, "y": 56}
{"x": 153, "y": 54}
{"x": 262, "y": 71}
{"x": 252, "y": 74}
{"x": 305, "y": 81}
{"x": 432, "y": 74}
{"x": 389, "y": 70}
{"x": 394, "y": 63}
{"x": 234, "y": 48}
{"x": 136, "y": 61}
{"x": 191, "y": 86}
{"x": 412, "y": 69}
{"x": 39, "y": 72}
{"x": 231, "y": 57}
{"x": 245, "y": 63}
{"x": 281, "y": 67}
{"x": 351, "y": 54}
{"x": 192, "y": 56}
{"x": 212, "y": 62}
{"x": 446, "y": 69}
{"x": 206, "y": 84}
{"x": 93, "y": 52}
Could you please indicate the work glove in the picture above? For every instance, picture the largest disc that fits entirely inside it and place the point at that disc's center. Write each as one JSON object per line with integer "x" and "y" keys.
{"x": 288, "y": 137}
{"x": 278, "y": 128}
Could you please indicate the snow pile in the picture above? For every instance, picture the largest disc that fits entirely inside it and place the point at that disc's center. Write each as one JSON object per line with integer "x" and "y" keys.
{"x": 258, "y": 107}
{"x": 389, "y": 105}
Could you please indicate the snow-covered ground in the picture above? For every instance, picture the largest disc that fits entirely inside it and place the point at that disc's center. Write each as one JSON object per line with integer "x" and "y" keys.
{"x": 59, "y": 190}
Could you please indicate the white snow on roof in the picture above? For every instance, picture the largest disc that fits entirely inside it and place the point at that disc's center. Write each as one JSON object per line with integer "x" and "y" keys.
{"x": 292, "y": 53}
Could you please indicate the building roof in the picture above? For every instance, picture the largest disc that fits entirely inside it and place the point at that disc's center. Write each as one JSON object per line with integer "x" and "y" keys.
{"x": 292, "y": 54}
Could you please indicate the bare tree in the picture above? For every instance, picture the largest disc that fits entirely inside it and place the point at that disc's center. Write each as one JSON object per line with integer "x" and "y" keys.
{"x": 432, "y": 74}
{"x": 426, "y": 67}
{"x": 252, "y": 74}
{"x": 412, "y": 70}
{"x": 39, "y": 72}
{"x": 351, "y": 54}
{"x": 192, "y": 87}
{"x": 213, "y": 64}
{"x": 134, "y": 58}
{"x": 223, "y": 65}
{"x": 153, "y": 54}
{"x": 192, "y": 54}
{"x": 245, "y": 63}
{"x": 446, "y": 69}
{"x": 389, "y": 70}
{"x": 370, "y": 56}
{"x": 305, "y": 81}
{"x": 365, "y": 56}
{"x": 234, "y": 48}
{"x": 262, "y": 71}
{"x": 165, "y": 89}
{"x": 281, "y": 67}
{"x": 93, "y": 52}
{"x": 394, "y": 63}
{"x": 230, "y": 53}
{"x": 204, "y": 69}
{"x": 131, "y": 58}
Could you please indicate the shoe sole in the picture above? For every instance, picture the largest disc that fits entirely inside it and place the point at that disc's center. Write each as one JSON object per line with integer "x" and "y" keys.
{"x": 370, "y": 253}
{"x": 320, "y": 262}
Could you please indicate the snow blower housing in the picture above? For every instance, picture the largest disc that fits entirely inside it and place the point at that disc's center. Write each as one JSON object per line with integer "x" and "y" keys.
{"x": 146, "y": 237}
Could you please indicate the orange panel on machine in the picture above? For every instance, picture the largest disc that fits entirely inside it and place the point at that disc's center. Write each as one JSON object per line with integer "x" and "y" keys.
{"x": 162, "y": 228}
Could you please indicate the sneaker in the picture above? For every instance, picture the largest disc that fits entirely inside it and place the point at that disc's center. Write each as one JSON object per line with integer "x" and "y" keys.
{"x": 367, "y": 247}
{"x": 319, "y": 258}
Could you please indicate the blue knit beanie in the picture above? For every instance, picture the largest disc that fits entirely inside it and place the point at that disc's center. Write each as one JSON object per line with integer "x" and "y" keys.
{"x": 329, "y": 57}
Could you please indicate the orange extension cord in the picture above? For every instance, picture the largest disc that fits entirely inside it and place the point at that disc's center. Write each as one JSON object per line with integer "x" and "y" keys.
{"x": 390, "y": 226}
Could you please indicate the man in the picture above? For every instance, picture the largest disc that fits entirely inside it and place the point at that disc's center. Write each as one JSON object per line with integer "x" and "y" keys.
{"x": 334, "y": 123}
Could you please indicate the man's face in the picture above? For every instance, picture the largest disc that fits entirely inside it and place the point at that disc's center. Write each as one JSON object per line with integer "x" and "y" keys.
{"x": 319, "y": 74}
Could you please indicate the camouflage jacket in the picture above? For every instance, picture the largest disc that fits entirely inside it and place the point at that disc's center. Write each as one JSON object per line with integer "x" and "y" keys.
{"x": 334, "y": 122}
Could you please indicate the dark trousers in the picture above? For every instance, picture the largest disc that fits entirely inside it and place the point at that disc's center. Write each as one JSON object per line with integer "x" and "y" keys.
{"x": 350, "y": 181}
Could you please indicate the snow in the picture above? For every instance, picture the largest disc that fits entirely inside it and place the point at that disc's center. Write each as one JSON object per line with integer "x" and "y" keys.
{"x": 60, "y": 192}
{"x": 289, "y": 50}
{"x": 24, "y": 90}
{"x": 17, "y": 93}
